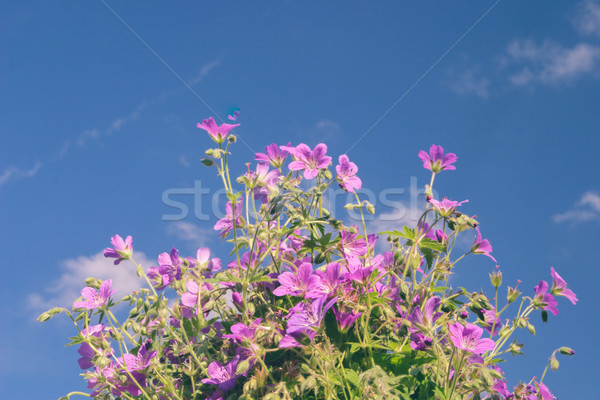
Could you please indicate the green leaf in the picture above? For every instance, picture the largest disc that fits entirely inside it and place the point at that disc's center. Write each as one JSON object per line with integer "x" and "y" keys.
{"x": 432, "y": 244}
{"x": 352, "y": 376}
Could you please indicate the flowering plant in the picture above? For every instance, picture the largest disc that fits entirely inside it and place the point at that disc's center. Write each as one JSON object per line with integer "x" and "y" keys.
{"x": 307, "y": 308}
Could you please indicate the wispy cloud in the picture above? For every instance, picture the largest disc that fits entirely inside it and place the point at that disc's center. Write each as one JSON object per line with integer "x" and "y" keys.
{"x": 192, "y": 234}
{"x": 64, "y": 290}
{"x": 587, "y": 208}
{"x": 13, "y": 172}
{"x": 93, "y": 134}
{"x": 472, "y": 82}
{"x": 205, "y": 70}
{"x": 550, "y": 63}
{"x": 587, "y": 18}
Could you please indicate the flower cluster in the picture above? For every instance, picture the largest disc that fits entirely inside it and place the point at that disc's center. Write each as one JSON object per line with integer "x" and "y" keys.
{"x": 306, "y": 307}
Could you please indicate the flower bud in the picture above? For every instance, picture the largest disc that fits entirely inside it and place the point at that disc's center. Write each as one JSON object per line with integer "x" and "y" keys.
{"x": 567, "y": 351}
{"x": 513, "y": 294}
{"x": 496, "y": 278}
{"x": 516, "y": 348}
{"x": 328, "y": 174}
{"x": 93, "y": 282}
{"x": 232, "y": 138}
{"x": 531, "y": 329}
{"x": 554, "y": 363}
{"x": 371, "y": 208}
{"x": 207, "y": 162}
{"x": 209, "y": 152}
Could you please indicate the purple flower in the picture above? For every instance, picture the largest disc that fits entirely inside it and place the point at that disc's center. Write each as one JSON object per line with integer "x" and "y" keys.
{"x": 203, "y": 260}
{"x": 346, "y": 172}
{"x": 139, "y": 362}
{"x": 544, "y": 393}
{"x": 345, "y": 320}
{"x": 122, "y": 249}
{"x": 234, "y": 116}
{"x": 446, "y": 207}
{"x": 489, "y": 315}
{"x": 544, "y": 300}
{"x": 326, "y": 283}
{"x": 168, "y": 270}
{"x": 275, "y": 155}
{"x": 95, "y": 299}
{"x": 225, "y": 224}
{"x": 559, "y": 287}
{"x": 304, "y": 319}
{"x": 482, "y": 246}
{"x": 262, "y": 181}
{"x": 353, "y": 248}
{"x": 222, "y": 375}
{"x": 216, "y": 132}
{"x": 308, "y": 160}
{"x": 436, "y": 161}
{"x": 468, "y": 338}
{"x": 418, "y": 341}
{"x": 296, "y": 284}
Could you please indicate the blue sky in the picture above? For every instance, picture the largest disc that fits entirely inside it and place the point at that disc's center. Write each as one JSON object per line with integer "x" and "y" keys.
{"x": 96, "y": 130}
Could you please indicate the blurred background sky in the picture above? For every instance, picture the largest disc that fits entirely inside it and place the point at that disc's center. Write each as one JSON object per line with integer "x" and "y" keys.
{"x": 99, "y": 102}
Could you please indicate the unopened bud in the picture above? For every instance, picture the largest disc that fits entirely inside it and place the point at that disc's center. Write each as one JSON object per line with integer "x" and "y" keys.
{"x": 496, "y": 278}
{"x": 370, "y": 208}
{"x": 531, "y": 329}
{"x": 554, "y": 363}
{"x": 567, "y": 351}
{"x": 513, "y": 294}
{"x": 93, "y": 282}
{"x": 328, "y": 174}
{"x": 207, "y": 162}
{"x": 232, "y": 138}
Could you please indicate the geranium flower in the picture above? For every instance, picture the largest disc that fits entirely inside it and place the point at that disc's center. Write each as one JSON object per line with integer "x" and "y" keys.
{"x": 95, "y": 299}
{"x": 482, "y": 246}
{"x": 225, "y": 224}
{"x": 345, "y": 319}
{"x": 468, "y": 338}
{"x": 346, "y": 173}
{"x": 218, "y": 133}
{"x": 222, "y": 375}
{"x": 559, "y": 287}
{"x": 446, "y": 207}
{"x": 544, "y": 300}
{"x": 311, "y": 161}
{"x": 122, "y": 250}
{"x": 275, "y": 155}
{"x": 296, "y": 284}
{"x": 436, "y": 161}
{"x": 304, "y": 318}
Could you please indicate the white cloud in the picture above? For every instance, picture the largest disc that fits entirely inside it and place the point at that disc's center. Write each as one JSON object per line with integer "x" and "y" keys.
{"x": 184, "y": 161}
{"x": 586, "y": 209}
{"x": 206, "y": 68}
{"x": 587, "y": 19}
{"x": 471, "y": 82}
{"x": 64, "y": 290}
{"x": 13, "y": 172}
{"x": 550, "y": 63}
{"x": 193, "y": 234}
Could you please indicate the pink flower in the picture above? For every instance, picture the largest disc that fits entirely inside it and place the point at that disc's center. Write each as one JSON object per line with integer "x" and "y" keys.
{"x": 346, "y": 172}
{"x": 544, "y": 300}
{"x": 274, "y": 155}
{"x": 446, "y": 207}
{"x": 122, "y": 250}
{"x": 217, "y": 132}
{"x": 559, "y": 287}
{"x": 482, "y": 246}
{"x": 311, "y": 161}
{"x": 95, "y": 299}
{"x": 436, "y": 161}
{"x": 468, "y": 338}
